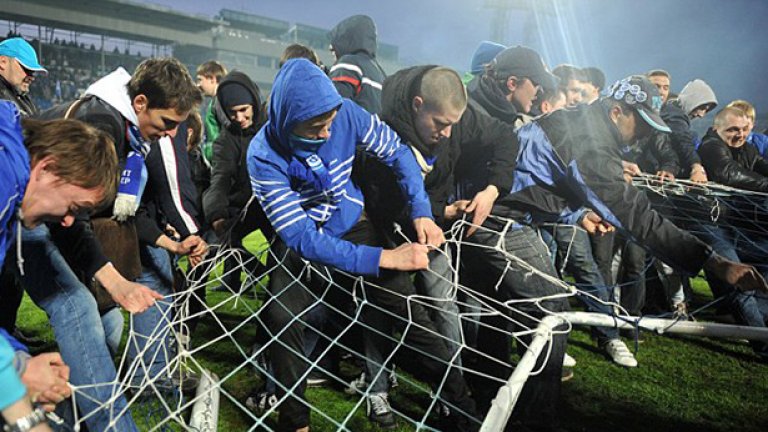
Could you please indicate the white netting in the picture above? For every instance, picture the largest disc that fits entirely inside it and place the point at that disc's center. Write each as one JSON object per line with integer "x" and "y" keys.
{"x": 225, "y": 349}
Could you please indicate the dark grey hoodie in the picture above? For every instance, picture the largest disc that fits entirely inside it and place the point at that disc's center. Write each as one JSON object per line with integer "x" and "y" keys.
{"x": 357, "y": 75}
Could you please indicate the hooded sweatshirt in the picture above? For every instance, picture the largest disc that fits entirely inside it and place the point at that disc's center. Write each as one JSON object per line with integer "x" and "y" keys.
{"x": 474, "y": 133}
{"x": 230, "y": 187}
{"x": 695, "y": 94}
{"x": 357, "y": 75}
{"x": 14, "y": 176}
{"x": 311, "y": 219}
{"x": 108, "y": 107}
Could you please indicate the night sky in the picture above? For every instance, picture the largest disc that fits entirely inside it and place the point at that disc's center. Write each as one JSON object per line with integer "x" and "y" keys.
{"x": 721, "y": 42}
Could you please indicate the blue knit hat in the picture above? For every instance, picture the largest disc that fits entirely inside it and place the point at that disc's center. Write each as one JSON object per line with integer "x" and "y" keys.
{"x": 483, "y": 55}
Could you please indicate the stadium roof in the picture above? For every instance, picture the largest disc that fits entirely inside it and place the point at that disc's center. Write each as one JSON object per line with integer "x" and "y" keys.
{"x": 117, "y": 18}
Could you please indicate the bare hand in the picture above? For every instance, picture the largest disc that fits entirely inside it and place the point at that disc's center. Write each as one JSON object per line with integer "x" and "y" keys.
{"x": 481, "y": 206}
{"x": 742, "y": 276}
{"x": 133, "y": 297}
{"x": 46, "y": 379}
{"x": 631, "y": 168}
{"x": 428, "y": 232}
{"x": 453, "y": 211}
{"x": 594, "y": 224}
{"x": 406, "y": 257}
{"x": 198, "y": 251}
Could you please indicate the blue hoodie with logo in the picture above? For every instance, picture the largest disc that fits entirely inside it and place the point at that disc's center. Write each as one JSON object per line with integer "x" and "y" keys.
{"x": 14, "y": 176}
{"x": 308, "y": 217}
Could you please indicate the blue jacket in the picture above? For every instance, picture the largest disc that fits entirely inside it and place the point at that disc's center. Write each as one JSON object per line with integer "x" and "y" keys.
{"x": 310, "y": 220}
{"x": 571, "y": 158}
{"x": 14, "y": 173}
{"x": 14, "y": 176}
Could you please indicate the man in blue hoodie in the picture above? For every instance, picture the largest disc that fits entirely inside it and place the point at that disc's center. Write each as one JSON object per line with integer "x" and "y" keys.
{"x": 48, "y": 174}
{"x": 301, "y": 174}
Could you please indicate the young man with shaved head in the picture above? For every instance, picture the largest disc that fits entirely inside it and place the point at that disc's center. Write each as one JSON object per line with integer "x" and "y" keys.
{"x": 427, "y": 107}
{"x": 300, "y": 165}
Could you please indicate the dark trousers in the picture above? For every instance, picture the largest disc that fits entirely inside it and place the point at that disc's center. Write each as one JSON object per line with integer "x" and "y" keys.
{"x": 631, "y": 277}
{"x": 602, "y": 250}
{"x": 537, "y": 404}
{"x": 11, "y": 294}
{"x": 295, "y": 289}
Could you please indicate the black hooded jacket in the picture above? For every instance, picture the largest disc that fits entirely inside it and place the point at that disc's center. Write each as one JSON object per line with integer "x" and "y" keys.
{"x": 486, "y": 94}
{"x": 230, "y": 187}
{"x": 682, "y": 136}
{"x": 357, "y": 75}
{"x": 739, "y": 167}
{"x": 474, "y": 133}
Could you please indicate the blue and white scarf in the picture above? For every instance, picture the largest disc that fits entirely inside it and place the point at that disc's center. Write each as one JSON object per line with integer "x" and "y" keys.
{"x": 133, "y": 178}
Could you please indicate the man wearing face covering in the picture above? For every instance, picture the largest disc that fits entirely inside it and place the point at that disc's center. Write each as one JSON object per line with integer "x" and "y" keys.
{"x": 300, "y": 165}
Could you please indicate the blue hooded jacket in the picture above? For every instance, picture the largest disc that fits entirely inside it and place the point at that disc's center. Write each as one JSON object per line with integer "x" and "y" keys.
{"x": 14, "y": 176}
{"x": 14, "y": 172}
{"x": 308, "y": 219}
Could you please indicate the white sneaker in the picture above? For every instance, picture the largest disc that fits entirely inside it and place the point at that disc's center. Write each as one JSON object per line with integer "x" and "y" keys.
{"x": 619, "y": 353}
{"x": 569, "y": 361}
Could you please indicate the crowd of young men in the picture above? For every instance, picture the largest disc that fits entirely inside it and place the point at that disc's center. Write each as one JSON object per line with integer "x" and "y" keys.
{"x": 354, "y": 174}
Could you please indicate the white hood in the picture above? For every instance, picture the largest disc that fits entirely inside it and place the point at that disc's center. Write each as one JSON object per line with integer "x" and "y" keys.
{"x": 113, "y": 89}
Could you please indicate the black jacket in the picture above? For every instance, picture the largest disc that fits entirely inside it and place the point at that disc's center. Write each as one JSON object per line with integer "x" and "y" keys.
{"x": 230, "y": 187}
{"x": 25, "y": 105}
{"x": 682, "y": 137}
{"x": 654, "y": 153}
{"x": 474, "y": 133}
{"x": 571, "y": 159}
{"x": 741, "y": 167}
{"x": 170, "y": 191}
{"x": 357, "y": 75}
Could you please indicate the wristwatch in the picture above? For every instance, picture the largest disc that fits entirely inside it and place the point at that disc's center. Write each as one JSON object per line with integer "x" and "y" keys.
{"x": 24, "y": 424}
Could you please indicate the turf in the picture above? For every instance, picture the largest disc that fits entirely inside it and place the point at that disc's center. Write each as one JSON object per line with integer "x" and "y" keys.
{"x": 681, "y": 384}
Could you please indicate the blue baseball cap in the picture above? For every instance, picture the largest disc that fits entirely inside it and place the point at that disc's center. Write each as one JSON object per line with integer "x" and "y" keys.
{"x": 22, "y": 51}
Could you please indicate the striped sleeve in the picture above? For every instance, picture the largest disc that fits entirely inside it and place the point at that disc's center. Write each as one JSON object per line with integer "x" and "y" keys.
{"x": 347, "y": 78}
{"x": 282, "y": 205}
{"x": 383, "y": 143}
{"x": 172, "y": 182}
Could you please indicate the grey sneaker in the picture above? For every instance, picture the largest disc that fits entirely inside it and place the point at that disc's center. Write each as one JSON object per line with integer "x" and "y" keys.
{"x": 619, "y": 353}
{"x": 380, "y": 412}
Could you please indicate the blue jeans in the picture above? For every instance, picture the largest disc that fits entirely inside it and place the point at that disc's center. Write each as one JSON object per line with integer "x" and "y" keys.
{"x": 572, "y": 251}
{"x": 151, "y": 329}
{"x": 444, "y": 313}
{"x": 78, "y": 328}
{"x": 748, "y": 307}
{"x": 506, "y": 279}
